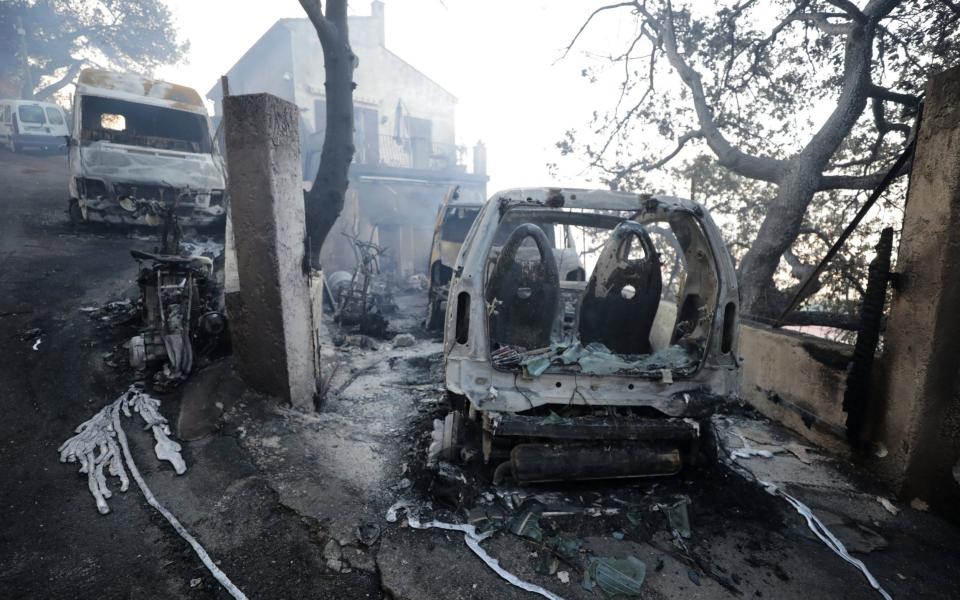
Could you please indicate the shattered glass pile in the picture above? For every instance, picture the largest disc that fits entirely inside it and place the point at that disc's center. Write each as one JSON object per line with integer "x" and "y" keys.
{"x": 596, "y": 359}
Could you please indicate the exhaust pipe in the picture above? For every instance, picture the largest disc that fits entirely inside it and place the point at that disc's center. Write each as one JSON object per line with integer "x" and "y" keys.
{"x": 533, "y": 463}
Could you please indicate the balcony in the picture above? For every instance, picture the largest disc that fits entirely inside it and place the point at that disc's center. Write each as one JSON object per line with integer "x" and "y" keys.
{"x": 405, "y": 153}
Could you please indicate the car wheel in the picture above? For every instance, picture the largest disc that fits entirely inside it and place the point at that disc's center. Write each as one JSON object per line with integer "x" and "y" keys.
{"x": 76, "y": 215}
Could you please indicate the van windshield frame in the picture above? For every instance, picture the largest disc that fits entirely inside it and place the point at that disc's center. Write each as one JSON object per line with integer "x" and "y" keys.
{"x": 145, "y": 125}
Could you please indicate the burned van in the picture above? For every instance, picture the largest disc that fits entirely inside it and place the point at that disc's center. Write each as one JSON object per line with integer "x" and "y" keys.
{"x": 139, "y": 146}
{"x": 455, "y": 216}
{"x": 592, "y": 363}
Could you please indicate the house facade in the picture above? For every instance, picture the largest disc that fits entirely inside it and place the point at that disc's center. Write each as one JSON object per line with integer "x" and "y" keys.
{"x": 404, "y": 133}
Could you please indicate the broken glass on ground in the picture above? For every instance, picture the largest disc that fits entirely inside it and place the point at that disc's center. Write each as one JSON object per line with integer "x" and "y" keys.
{"x": 676, "y": 514}
{"x": 615, "y": 576}
{"x": 527, "y": 522}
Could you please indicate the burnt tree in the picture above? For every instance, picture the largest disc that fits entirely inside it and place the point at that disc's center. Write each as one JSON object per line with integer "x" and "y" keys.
{"x": 324, "y": 201}
{"x": 740, "y": 83}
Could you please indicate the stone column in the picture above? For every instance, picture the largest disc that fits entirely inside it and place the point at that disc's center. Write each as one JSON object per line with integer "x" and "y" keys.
{"x": 921, "y": 422}
{"x": 273, "y": 334}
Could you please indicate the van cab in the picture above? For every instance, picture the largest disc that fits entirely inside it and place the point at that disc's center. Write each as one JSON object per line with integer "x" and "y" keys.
{"x": 31, "y": 124}
{"x": 140, "y": 147}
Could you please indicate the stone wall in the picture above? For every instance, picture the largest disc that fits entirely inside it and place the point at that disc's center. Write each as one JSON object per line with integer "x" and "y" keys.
{"x": 797, "y": 380}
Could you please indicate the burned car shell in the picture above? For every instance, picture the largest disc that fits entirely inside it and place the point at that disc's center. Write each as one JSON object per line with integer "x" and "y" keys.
{"x": 470, "y": 373}
{"x": 117, "y": 182}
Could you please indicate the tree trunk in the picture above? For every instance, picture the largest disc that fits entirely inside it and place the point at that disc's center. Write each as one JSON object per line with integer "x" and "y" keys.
{"x": 325, "y": 199}
{"x": 781, "y": 225}
{"x": 49, "y": 90}
{"x": 801, "y": 179}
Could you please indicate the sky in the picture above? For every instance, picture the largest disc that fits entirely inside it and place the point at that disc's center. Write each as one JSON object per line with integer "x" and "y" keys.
{"x": 498, "y": 57}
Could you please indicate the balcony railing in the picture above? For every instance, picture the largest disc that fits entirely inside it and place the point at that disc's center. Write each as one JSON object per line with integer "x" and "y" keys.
{"x": 404, "y": 153}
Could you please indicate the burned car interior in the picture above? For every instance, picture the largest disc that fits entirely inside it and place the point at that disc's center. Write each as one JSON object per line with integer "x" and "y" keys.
{"x": 612, "y": 310}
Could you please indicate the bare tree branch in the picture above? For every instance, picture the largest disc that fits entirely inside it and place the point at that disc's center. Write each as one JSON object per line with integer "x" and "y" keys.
{"x": 883, "y": 93}
{"x": 642, "y": 165}
{"x": 314, "y": 10}
{"x": 763, "y": 168}
{"x": 585, "y": 23}
{"x": 823, "y": 319}
{"x": 798, "y": 268}
{"x": 850, "y": 9}
{"x": 858, "y": 182}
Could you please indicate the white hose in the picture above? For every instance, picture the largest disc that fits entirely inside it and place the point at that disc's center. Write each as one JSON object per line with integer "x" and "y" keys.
{"x": 814, "y": 523}
{"x": 826, "y": 536}
{"x": 204, "y": 557}
{"x": 95, "y": 446}
{"x": 473, "y": 539}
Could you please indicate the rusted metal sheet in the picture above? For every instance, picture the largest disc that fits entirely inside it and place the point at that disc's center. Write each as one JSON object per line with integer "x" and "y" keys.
{"x": 112, "y": 84}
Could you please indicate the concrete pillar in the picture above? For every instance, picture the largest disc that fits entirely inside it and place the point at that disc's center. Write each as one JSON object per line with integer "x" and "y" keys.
{"x": 377, "y": 10}
{"x": 920, "y": 426}
{"x": 271, "y": 317}
{"x": 480, "y": 159}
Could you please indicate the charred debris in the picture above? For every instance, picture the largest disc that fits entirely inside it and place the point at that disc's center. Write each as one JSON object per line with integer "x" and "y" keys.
{"x": 178, "y": 314}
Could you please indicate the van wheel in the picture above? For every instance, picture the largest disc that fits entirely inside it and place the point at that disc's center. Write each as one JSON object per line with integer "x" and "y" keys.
{"x": 76, "y": 215}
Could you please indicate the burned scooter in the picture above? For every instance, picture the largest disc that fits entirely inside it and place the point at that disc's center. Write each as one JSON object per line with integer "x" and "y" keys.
{"x": 180, "y": 307}
{"x": 358, "y": 297}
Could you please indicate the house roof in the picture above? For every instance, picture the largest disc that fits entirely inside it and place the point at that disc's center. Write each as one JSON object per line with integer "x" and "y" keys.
{"x": 296, "y": 26}
{"x": 130, "y": 86}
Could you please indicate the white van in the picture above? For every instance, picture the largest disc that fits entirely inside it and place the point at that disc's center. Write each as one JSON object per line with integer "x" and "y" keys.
{"x": 139, "y": 147}
{"x": 31, "y": 124}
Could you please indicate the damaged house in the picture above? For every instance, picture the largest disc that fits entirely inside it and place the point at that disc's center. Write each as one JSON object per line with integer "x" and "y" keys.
{"x": 406, "y": 157}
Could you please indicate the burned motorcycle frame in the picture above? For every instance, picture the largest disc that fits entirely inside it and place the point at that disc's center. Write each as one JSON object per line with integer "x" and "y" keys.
{"x": 180, "y": 308}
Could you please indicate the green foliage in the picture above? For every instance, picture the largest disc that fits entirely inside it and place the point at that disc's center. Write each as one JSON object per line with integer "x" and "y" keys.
{"x": 63, "y": 36}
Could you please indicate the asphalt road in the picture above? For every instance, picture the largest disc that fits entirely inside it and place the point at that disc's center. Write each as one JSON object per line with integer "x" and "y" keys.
{"x": 53, "y": 542}
{"x": 55, "y": 545}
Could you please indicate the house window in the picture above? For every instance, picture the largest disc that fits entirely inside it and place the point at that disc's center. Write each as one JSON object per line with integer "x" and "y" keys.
{"x": 366, "y": 135}
{"x": 421, "y": 141}
{"x": 366, "y": 131}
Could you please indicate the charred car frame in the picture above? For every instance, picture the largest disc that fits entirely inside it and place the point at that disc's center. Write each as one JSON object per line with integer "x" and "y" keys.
{"x": 603, "y": 368}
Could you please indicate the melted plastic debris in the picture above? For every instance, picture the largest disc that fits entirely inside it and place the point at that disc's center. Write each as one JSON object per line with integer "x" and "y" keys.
{"x": 677, "y": 516}
{"x": 95, "y": 445}
{"x": 101, "y": 441}
{"x": 597, "y": 359}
